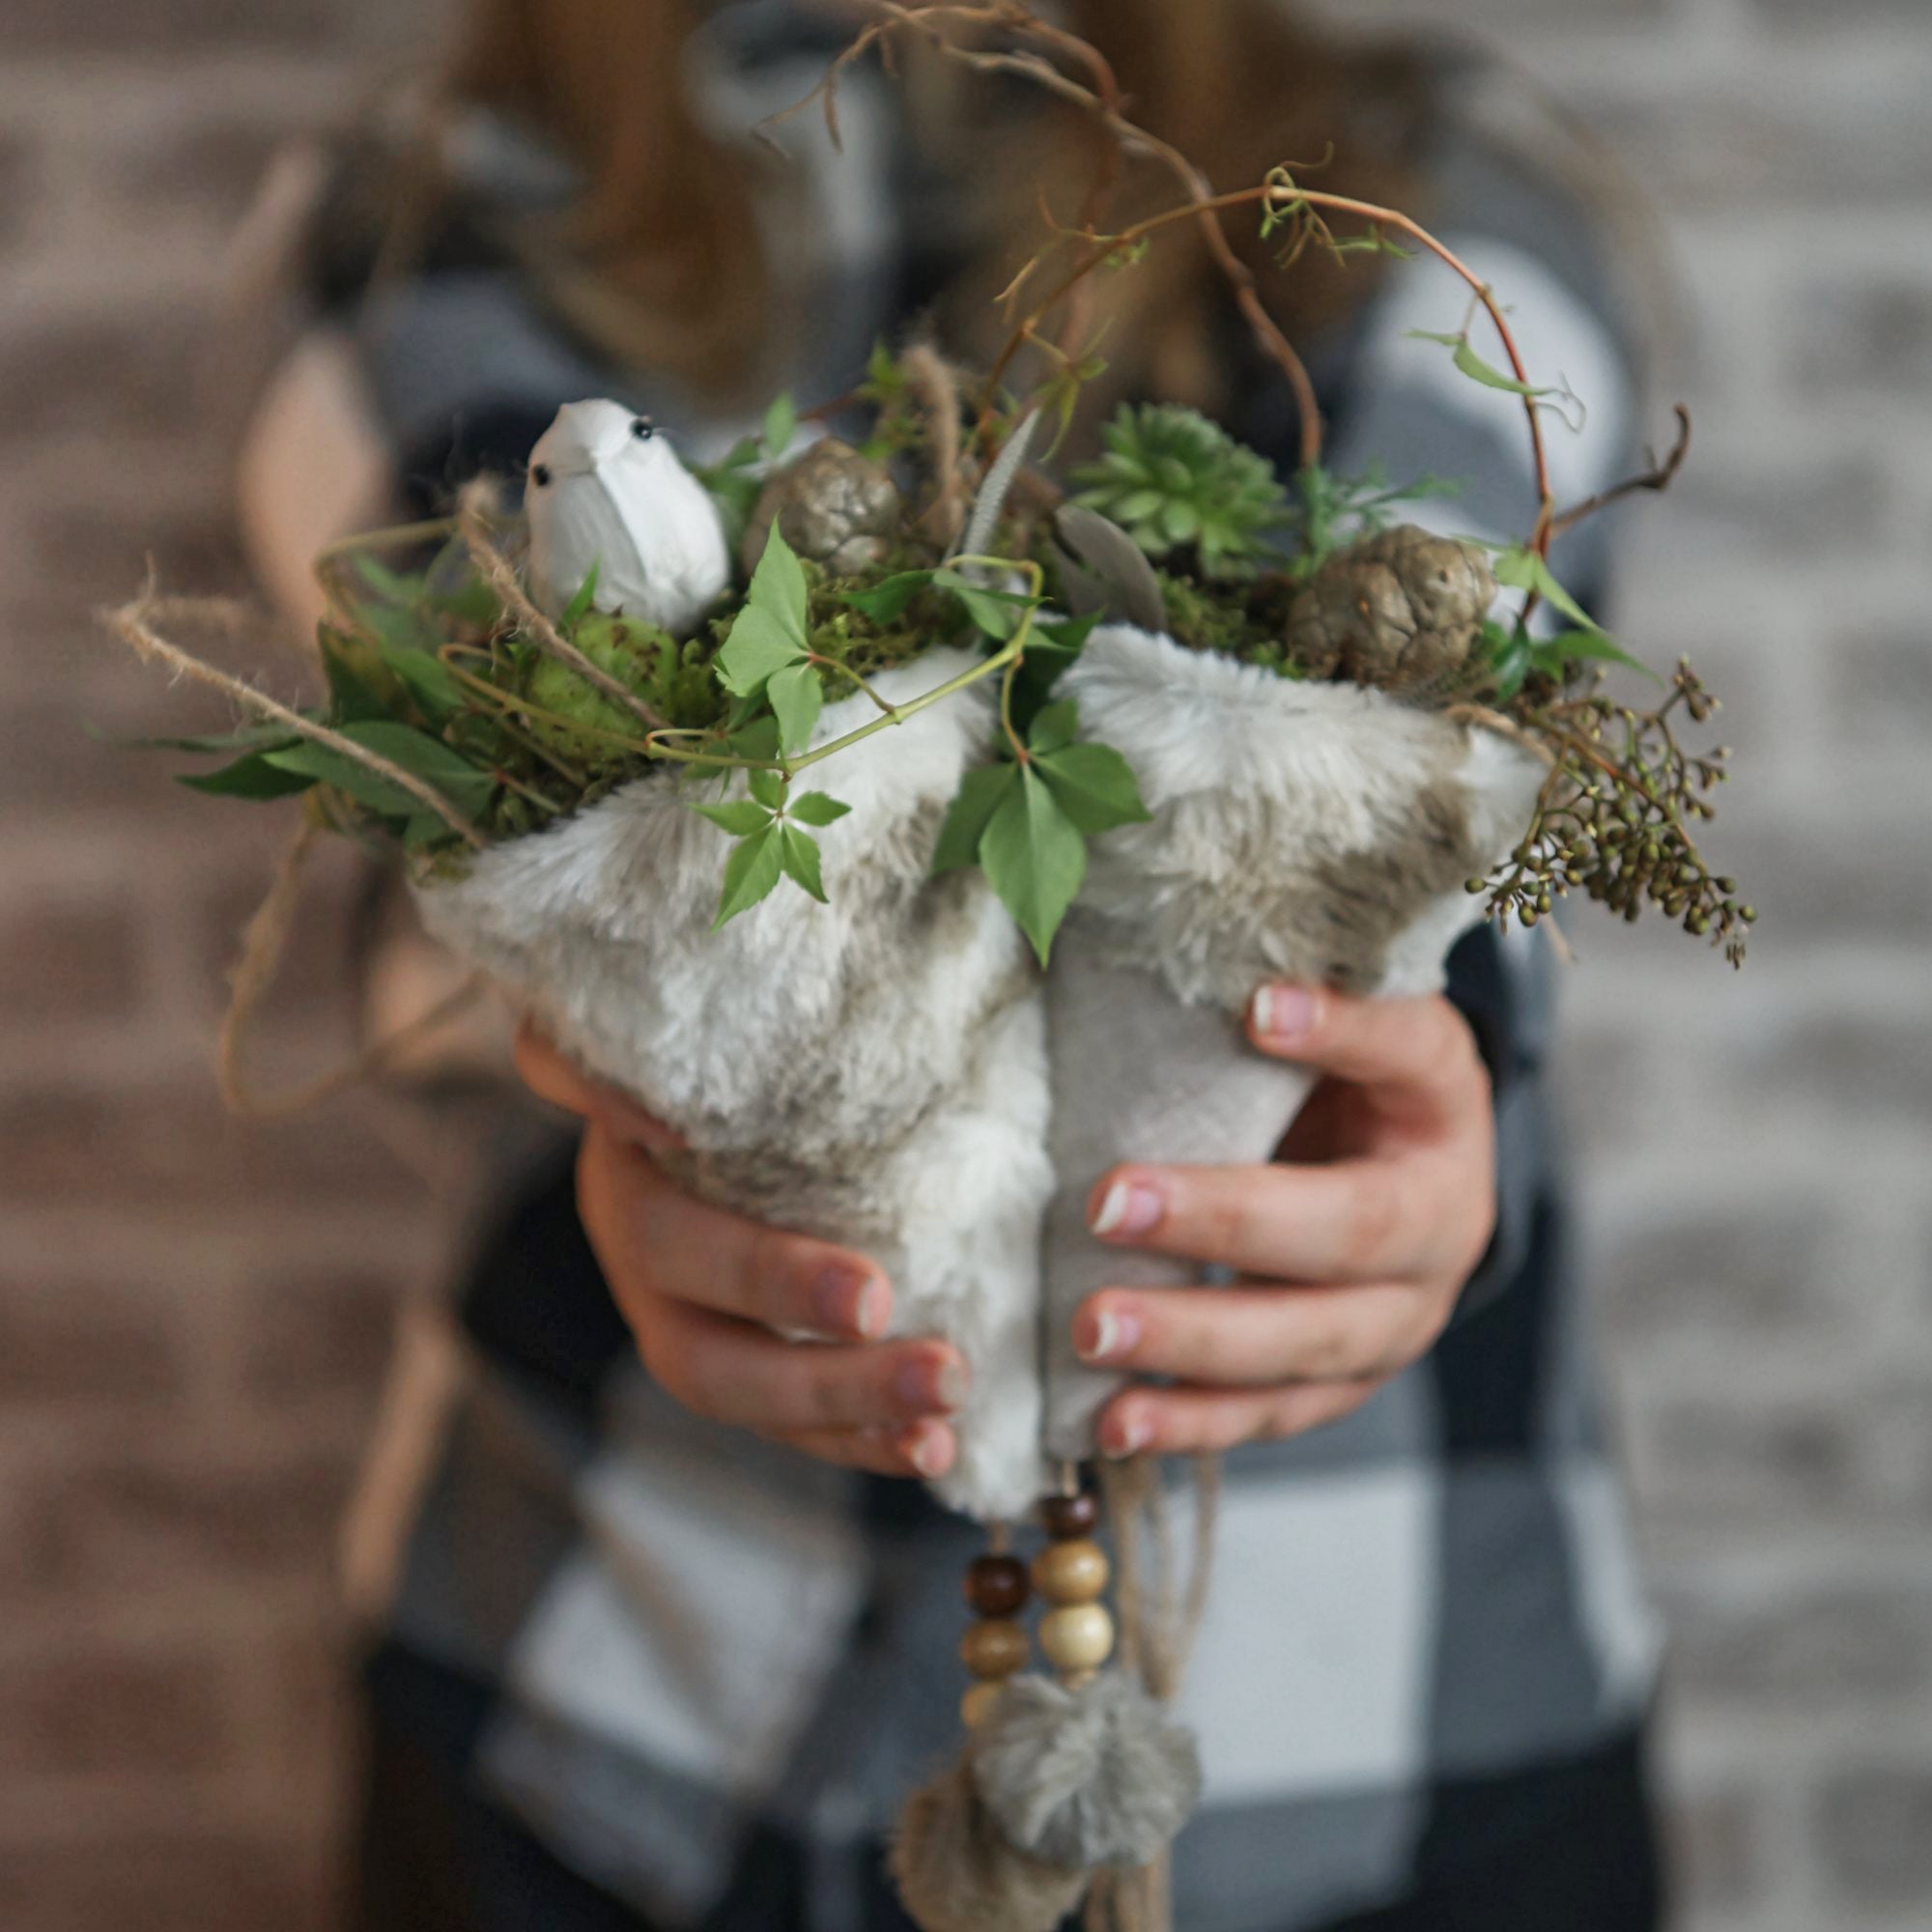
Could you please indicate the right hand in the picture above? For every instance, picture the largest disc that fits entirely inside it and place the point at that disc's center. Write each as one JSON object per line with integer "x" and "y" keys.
{"x": 703, "y": 1290}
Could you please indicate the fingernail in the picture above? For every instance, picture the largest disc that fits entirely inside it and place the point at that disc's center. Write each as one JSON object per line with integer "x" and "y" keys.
{"x": 1282, "y": 1012}
{"x": 931, "y": 1450}
{"x": 1123, "y": 1434}
{"x": 845, "y": 1298}
{"x": 927, "y": 1384}
{"x": 1109, "y": 1335}
{"x": 1128, "y": 1208}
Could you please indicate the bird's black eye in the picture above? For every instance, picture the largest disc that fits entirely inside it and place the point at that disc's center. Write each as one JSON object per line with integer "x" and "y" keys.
{"x": 540, "y": 475}
{"x": 642, "y": 428}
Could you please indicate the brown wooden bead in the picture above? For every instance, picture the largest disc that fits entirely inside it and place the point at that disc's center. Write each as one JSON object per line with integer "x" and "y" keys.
{"x": 1071, "y": 1572}
{"x": 1068, "y": 1517}
{"x": 995, "y": 1649}
{"x": 1077, "y": 1637}
{"x": 978, "y": 1701}
{"x": 996, "y": 1586}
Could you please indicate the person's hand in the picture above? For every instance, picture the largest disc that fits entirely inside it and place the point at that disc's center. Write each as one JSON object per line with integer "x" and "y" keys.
{"x": 703, "y": 1290}
{"x": 1350, "y": 1250}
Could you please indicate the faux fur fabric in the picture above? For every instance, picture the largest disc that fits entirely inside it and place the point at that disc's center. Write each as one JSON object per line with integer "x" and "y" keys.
{"x": 957, "y": 1872}
{"x": 1100, "y": 1775}
{"x": 872, "y": 1073}
{"x": 1300, "y": 831}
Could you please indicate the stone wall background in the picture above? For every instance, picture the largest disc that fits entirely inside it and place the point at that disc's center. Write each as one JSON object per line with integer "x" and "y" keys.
{"x": 193, "y": 1329}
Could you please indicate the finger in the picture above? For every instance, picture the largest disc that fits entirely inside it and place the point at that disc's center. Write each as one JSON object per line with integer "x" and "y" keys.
{"x": 1416, "y": 1057}
{"x": 926, "y": 1450}
{"x": 1259, "y": 1336}
{"x": 742, "y": 1375}
{"x": 1181, "y": 1421}
{"x": 1344, "y": 1221}
{"x": 552, "y": 1077}
{"x": 651, "y": 1236}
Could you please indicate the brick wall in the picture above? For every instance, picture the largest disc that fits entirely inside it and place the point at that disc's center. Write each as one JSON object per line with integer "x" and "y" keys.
{"x": 192, "y": 1330}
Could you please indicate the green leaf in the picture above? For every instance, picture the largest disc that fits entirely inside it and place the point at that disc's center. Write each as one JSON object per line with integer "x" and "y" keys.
{"x": 315, "y": 762}
{"x": 1094, "y": 786}
{"x": 780, "y": 424}
{"x": 385, "y": 582}
{"x": 1520, "y": 568}
{"x": 581, "y": 602}
{"x": 994, "y": 612}
{"x": 1509, "y": 658}
{"x": 973, "y": 806}
{"x": 1580, "y": 646}
{"x": 739, "y": 816}
{"x": 817, "y": 808}
{"x": 885, "y": 602}
{"x": 252, "y": 777}
{"x": 778, "y": 585}
{"x": 750, "y": 873}
{"x": 1476, "y": 369}
{"x": 756, "y": 738}
{"x": 464, "y": 784}
{"x": 1054, "y": 728}
{"x": 767, "y": 787}
{"x": 428, "y": 678}
{"x": 759, "y": 646}
{"x": 244, "y": 738}
{"x": 801, "y": 862}
{"x": 1035, "y": 858}
{"x": 797, "y": 698}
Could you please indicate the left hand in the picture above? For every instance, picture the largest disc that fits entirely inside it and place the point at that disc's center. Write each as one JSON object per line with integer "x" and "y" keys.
{"x": 1351, "y": 1249}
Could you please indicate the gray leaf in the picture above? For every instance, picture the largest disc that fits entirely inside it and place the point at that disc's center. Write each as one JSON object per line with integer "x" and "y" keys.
{"x": 1133, "y": 590}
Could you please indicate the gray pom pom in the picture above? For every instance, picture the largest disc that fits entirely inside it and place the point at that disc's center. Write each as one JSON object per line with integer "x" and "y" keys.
{"x": 1101, "y": 1775}
{"x": 956, "y": 1873}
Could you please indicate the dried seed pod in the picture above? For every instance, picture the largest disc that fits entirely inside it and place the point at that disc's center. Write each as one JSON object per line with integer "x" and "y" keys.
{"x": 1398, "y": 610}
{"x": 832, "y": 504}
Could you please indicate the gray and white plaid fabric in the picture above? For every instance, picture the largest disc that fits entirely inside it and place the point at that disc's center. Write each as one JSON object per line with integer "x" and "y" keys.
{"x": 690, "y": 1635}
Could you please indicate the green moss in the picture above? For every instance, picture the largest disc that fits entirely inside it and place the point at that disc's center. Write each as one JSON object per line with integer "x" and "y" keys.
{"x": 1239, "y": 621}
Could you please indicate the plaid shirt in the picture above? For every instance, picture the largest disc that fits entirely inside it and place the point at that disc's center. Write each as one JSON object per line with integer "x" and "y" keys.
{"x": 683, "y": 1641}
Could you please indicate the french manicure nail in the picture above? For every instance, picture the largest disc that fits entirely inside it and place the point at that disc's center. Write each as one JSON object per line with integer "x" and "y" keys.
{"x": 925, "y": 1384}
{"x": 927, "y": 1453}
{"x": 1114, "y": 1333}
{"x": 1123, "y": 1439}
{"x": 1128, "y": 1208}
{"x": 1282, "y": 1012}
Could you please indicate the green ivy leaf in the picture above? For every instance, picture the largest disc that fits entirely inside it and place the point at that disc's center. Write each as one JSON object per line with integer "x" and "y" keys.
{"x": 252, "y": 777}
{"x": 739, "y": 816}
{"x": 780, "y": 424}
{"x": 756, "y": 738}
{"x": 801, "y": 862}
{"x": 797, "y": 698}
{"x": 817, "y": 807}
{"x": 1054, "y": 728}
{"x": 750, "y": 873}
{"x": 1035, "y": 858}
{"x": 760, "y": 647}
{"x": 1094, "y": 786}
{"x": 574, "y": 611}
{"x": 973, "y": 806}
{"x": 886, "y": 600}
{"x": 778, "y": 585}
{"x": 767, "y": 787}
{"x": 1554, "y": 654}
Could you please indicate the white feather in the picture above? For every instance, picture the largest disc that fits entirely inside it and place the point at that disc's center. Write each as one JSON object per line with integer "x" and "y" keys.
{"x": 604, "y": 487}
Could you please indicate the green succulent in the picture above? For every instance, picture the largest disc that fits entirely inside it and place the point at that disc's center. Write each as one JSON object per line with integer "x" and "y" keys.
{"x": 1173, "y": 480}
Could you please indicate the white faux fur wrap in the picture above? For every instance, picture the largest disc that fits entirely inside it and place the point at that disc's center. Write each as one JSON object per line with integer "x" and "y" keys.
{"x": 877, "y": 1072}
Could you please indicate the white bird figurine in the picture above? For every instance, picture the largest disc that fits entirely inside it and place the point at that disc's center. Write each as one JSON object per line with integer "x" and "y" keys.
{"x": 604, "y": 487}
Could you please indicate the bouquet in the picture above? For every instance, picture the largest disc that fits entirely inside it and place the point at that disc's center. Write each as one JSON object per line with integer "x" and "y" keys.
{"x": 907, "y": 822}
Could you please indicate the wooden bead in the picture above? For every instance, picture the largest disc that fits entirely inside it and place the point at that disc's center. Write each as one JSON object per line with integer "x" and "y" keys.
{"x": 1077, "y": 1637}
{"x": 1068, "y": 1517}
{"x": 1071, "y": 1572}
{"x": 976, "y": 1702}
{"x": 995, "y": 1649}
{"x": 996, "y": 1586}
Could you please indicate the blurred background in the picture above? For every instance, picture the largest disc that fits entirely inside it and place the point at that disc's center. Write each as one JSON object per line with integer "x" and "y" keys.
{"x": 195, "y": 1315}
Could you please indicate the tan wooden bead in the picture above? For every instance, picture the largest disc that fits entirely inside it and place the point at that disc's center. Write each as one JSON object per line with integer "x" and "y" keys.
{"x": 993, "y": 1649}
{"x": 1071, "y": 1572}
{"x": 978, "y": 1701}
{"x": 1077, "y": 1637}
